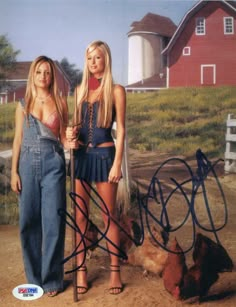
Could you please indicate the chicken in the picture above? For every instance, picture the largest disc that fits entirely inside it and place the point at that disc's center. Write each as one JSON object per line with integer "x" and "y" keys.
{"x": 212, "y": 253}
{"x": 131, "y": 235}
{"x": 150, "y": 255}
{"x": 92, "y": 238}
{"x": 175, "y": 269}
{"x": 197, "y": 281}
{"x": 209, "y": 258}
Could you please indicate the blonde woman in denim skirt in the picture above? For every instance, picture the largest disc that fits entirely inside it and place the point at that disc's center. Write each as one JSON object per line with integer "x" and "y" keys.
{"x": 98, "y": 160}
{"x": 38, "y": 176}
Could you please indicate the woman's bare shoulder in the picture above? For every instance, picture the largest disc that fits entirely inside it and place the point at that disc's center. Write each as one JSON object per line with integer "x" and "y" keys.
{"x": 118, "y": 89}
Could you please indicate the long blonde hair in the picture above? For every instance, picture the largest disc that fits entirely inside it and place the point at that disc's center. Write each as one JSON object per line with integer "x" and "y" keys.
{"x": 31, "y": 91}
{"x": 105, "y": 96}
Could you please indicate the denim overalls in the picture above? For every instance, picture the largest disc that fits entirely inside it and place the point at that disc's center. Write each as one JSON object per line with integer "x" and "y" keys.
{"x": 42, "y": 231}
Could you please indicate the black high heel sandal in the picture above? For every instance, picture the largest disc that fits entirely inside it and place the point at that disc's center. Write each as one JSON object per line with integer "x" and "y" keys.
{"x": 52, "y": 293}
{"x": 115, "y": 268}
{"x": 83, "y": 288}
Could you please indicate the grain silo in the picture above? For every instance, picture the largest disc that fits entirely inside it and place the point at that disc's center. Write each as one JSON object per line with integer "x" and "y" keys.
{"x": 146, "y": 40}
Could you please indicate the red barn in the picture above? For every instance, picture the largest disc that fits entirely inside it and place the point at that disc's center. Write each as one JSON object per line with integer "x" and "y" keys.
{"x": 202, "y": 49}
{"x": 17, "y": 79}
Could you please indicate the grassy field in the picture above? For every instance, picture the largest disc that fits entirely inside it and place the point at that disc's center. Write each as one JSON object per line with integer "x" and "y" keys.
{"x": 179, "y": 121}
{"x": 7, "y": 124}
{"x": 175, "y": 121}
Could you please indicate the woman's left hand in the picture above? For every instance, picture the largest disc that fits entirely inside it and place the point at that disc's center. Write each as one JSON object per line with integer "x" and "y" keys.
{"x": 114, "y": 175}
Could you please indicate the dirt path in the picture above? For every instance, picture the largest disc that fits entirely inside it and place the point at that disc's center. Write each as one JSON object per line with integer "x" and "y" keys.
{"x": 140, "y": 289}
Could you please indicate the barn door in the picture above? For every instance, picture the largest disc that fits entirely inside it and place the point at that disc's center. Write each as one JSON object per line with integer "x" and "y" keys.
{"x": 208, "y": 74}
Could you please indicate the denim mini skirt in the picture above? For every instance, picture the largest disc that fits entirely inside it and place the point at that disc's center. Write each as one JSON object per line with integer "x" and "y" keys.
{"x": 93, "y": 164}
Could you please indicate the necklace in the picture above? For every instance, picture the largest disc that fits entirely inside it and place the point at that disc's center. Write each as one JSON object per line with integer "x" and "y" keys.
{"x": 43, "y": 99}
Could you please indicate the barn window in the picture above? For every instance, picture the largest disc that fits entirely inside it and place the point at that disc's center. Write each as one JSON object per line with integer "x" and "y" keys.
{"x": 186, "y": 51}
{"x": 228, "y": 25}
{"x": 200, "y": 26}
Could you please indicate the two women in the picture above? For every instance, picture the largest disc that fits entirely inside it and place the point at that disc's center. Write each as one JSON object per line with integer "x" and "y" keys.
{"x": 38, "y": 165}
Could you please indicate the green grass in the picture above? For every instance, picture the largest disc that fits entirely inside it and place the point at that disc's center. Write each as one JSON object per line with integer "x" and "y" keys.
{"x": 179, "y": 121}
{"x": 175, "y": 121}
{"x": 7, "y": 123}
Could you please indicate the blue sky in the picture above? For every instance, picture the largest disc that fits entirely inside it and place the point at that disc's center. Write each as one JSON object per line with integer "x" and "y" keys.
{"x": 64, "y": 28}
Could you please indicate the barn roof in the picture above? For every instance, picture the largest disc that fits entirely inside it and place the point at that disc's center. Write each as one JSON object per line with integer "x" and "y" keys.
{"x": 232, "y": 3}
{"x": 188, "y": 15}
{"x": 154, "y": 23}
{"x": 21, "y": 71}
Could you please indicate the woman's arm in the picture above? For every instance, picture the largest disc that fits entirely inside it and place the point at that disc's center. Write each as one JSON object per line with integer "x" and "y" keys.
{"x": 120, "y": 107}
{"x": 15, "y": 178}
{"x": 65, "y": 123}
{"x": 72, "y": 130}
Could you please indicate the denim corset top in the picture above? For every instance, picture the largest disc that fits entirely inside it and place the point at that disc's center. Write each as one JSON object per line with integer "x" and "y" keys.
{"x": 89, "y": 133}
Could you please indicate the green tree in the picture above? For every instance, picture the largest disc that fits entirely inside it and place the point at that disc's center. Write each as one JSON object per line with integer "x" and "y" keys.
{"x": 72, "y": 72}
{"x": 7, "y": 59}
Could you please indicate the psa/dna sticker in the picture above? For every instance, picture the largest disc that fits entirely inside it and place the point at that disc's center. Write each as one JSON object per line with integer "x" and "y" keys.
{"x": 27, "y": 292}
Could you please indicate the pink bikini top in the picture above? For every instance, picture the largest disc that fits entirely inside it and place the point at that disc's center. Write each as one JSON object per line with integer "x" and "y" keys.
{"x": 53, "y": 123}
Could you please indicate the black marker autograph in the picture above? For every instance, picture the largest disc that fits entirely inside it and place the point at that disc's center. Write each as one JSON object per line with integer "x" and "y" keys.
{"x": 154, "y": 193}
{"x": 103, "y": 234}
{"x": 197, "y": 180}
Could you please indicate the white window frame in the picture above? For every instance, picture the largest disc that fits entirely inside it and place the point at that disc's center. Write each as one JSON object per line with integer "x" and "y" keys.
{"x": 186, "y": 51}
{"x": 226, "y": 19}
{"x": 200, "y": 28}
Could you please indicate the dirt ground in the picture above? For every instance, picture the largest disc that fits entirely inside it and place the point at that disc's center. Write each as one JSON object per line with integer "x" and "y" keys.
{"x": 140, "y": 289}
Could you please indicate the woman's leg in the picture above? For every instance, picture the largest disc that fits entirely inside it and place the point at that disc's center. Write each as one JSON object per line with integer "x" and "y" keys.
{"x": 31, "y": 229}
{"x": 53, "y": 200}
{"x": 107, "y": 192}
{"x": 53, "y": 193}
{"x": 82, "y": 201}
{"x": 30, "y": 216}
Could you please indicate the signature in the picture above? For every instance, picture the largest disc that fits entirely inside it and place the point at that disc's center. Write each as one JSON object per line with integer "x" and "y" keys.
{"x": 187, "y": 190}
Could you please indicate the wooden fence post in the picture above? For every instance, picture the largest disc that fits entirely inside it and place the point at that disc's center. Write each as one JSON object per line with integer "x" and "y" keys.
{"x": 230, "y": 151}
